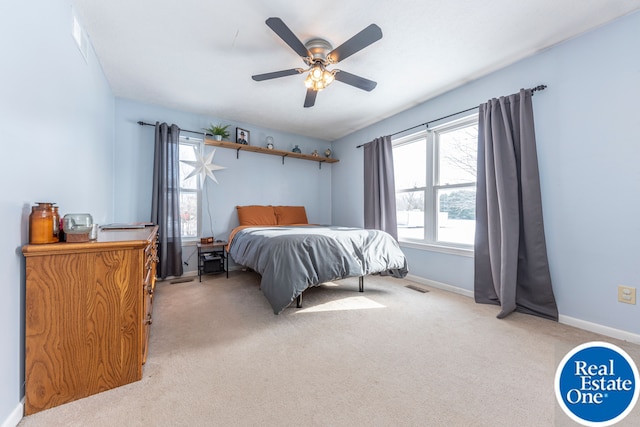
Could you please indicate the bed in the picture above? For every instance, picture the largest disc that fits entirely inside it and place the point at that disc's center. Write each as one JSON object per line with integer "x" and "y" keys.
{"x": 291, "y": 255}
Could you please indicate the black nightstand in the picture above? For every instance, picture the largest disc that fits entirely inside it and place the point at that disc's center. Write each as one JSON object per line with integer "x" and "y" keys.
{"x": 212, "y": 259}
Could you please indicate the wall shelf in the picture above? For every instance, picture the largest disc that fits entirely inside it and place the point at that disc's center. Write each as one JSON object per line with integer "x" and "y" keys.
{"x": 272, "y": 152}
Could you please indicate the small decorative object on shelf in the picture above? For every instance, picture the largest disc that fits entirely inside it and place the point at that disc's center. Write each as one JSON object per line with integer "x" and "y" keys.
{"x": 242, "y": 136}
{"x": 218, "y": 131}
{"x": 270, "y": 142}
{"x": 296, "y": 149}
{"x": 206, "y": 240}
{"x": 327, "y": 152}
{"x": 315, "y": 153}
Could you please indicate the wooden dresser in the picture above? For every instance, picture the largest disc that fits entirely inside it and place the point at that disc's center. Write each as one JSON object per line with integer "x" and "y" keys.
{"x": 88, "y": 315}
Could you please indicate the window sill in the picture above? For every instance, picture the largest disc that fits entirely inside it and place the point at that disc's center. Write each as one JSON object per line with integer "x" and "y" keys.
{"x": 193, "y": 241}
{"x": 453, "y": 250}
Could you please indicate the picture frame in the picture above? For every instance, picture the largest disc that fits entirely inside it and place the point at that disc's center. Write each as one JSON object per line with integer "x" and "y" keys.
{"x": 242, "y": 136}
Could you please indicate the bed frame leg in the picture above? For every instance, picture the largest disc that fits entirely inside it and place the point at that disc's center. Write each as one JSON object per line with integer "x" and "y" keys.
{"x": 361, "y": 283}
{"x": 299, "y": 301}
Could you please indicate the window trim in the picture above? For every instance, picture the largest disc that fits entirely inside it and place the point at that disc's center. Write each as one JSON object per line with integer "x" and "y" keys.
{"x": 441, "y": 248}
{"x": 198, "y": 144}
{"x": 429, "y": 241}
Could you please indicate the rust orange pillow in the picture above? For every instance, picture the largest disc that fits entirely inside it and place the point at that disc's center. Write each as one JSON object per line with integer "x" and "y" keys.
{"x": 256, "y": 215}
{"x": 289, "y": 215}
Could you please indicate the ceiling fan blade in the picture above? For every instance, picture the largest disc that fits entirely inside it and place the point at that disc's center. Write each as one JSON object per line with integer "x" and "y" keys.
{"x": 310, "y": 99}
{"x": 276, "y": 74}
{"x": 357, "y": 81}
{"x": 364, "y": 38}
{"x": 281, "y": 29}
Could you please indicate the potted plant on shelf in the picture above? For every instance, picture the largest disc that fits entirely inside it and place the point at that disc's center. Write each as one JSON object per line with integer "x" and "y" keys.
{"x": 218, "y": 131}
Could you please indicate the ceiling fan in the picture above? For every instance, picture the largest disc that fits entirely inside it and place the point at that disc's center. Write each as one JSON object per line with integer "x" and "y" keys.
{"x": 318, "y": 54}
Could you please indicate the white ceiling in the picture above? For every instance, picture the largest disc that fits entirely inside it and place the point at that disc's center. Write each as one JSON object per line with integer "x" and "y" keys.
{"x": 199, "y": 55}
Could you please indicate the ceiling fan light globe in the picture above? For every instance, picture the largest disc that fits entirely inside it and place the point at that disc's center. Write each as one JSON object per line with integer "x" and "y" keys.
{"x": 317, "y": 72}
{"x": 327, "y": 78}
{"x": 308, "y": 82}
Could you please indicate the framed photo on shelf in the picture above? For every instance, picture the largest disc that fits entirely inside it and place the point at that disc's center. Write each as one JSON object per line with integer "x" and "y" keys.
{"x": 242, "y": 136}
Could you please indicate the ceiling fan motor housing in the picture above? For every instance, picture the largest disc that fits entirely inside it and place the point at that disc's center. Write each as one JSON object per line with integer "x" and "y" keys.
{"x": 319, "y": 49}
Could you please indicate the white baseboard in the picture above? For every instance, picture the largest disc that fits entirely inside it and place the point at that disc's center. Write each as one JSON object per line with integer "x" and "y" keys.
{"x": 190, "y": 273}
{"x": 193, "y": 273}
{"x": 185, "y": 274}
{"x": 15, "y": 417}
{"x": 600, "y": 329}
{"x": 439, "y": 285}
{"x": 566, "y": 320}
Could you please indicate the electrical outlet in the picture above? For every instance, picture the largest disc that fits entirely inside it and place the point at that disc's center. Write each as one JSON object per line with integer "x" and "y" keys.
{"x": 626, "y": 294}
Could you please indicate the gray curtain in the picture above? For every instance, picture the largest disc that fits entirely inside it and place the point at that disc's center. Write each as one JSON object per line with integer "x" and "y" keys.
{"x": 379, "y": 187}
{"x": 165, "y": 209}
{"x": 511, "y": 267}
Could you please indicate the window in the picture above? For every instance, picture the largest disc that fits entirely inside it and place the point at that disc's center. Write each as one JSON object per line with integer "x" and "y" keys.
{"x": 435, "y": 174}
{"x": 189, "y": 189}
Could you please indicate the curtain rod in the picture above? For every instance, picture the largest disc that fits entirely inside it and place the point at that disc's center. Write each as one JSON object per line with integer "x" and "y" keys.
{"x": 141, "y": 123}
{"x": 539, "y": 87}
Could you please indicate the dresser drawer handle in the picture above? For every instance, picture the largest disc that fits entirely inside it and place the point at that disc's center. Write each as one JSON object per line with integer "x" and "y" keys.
{"x": 148, "y": 320}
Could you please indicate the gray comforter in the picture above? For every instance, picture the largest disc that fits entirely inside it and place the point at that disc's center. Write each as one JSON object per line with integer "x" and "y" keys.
{"x": 293, "y": 258}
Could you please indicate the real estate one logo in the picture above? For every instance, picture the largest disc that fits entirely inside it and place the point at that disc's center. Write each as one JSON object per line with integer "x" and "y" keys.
{"x": 596, "y": 384}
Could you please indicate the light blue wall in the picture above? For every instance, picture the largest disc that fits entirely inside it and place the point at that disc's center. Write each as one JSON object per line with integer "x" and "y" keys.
{"x": 588, "y": 150}
{"x": 56, "y": 113}
{"x": 253, "y": 178}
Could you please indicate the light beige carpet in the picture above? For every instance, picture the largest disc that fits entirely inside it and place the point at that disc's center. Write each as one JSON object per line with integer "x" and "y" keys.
{"x": 390, "y": 356}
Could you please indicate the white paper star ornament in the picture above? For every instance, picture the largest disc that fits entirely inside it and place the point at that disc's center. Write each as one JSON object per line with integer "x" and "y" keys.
{"x": 203, "y": 167}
